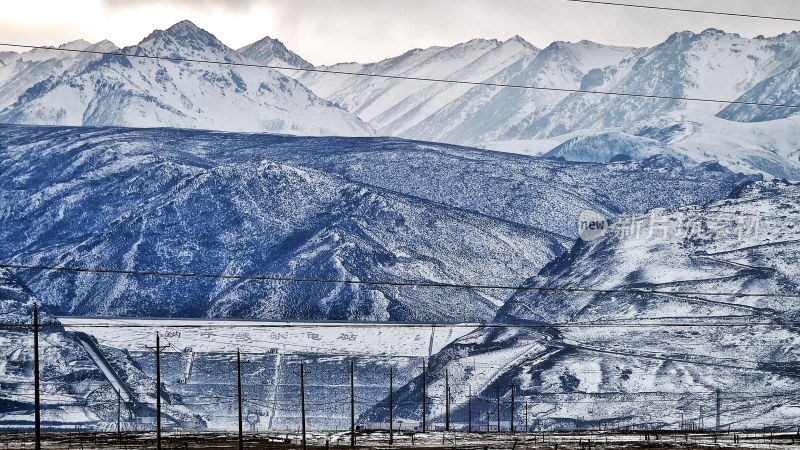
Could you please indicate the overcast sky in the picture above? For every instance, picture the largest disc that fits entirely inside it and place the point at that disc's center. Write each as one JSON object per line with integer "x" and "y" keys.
{"x": 329, "y": 31}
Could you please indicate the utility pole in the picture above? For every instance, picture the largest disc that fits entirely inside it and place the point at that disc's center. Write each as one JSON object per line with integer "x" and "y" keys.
{"x": 303, "y": 401}
{"x": 446, "y": 400}
{"x": 718, "y": 409}
{"x": 37, "y": 415}
{"x": 424, "y": 397}
{"x": 119, "y": 411}
{"x": 469, "y": 408}
{"x": 239, "y": 394}
{"x": 158, "y": 391}
{"x": 497, "y": 388}
{"x": 352, "y": 404}
{"x": 527, "y": 429}
{"x": 513, "y": 388}
{"x": 391, "y": 408}
{"x": 700, "y": 423}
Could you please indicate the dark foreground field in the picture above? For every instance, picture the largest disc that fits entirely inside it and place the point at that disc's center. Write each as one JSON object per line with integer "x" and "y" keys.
{"x": 438, "y": 440}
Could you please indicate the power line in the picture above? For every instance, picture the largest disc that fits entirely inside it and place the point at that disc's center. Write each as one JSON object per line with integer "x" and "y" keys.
{"x": 411, "y": 78}
{"x": 696, "y": 11}
{"x": 426, "y": 284}
{"x": 534, "y": 325}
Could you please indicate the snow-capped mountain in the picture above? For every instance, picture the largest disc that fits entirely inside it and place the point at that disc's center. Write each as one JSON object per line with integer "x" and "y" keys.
{"x": 129, "y": 91}
{"x": 588, "y": 127}
{"x": 709, "y": 65}
{"x": 339, "y": 208}
{"x": 461, "y": 113}
{"x": 25, "y": 71}
{"x": 610, "y": 359}
{"x": 272, "y": 52}
{"x": 50, "y": 87}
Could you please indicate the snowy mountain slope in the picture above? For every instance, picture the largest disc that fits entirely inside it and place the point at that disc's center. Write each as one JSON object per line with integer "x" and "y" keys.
{"x": 302, "y": 207}
{"x": 712, "y": 64}
{"x": 370, "y": 97}
{"x": 781, "y": 89}
{"x": 117, "y": 90}
{"x": 606, "y": 146}
{"x": 627, "y": 364}
{"x": 419, "y": 106}
{"x": 74, "y": 391}
{"x": 272, "y": 52}
{"x": 66, "y": 375}
{"x": 486, "y": 113}
{"x": 741, "y": 244}
{"x": 6, "y": 57}
{"x": 460, "y": 113}
{"x": 769, "y": 148}
{"x": 37, "y": 68}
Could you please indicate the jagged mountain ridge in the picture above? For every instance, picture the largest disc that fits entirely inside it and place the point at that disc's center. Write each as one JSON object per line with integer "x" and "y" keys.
{"x": 461, "y": 113}
{"x": 128, "y": 91}
{"x": 711, "y": 65}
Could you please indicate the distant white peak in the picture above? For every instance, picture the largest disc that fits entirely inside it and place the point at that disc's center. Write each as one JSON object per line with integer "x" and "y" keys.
{"x": 481, "y": 41}
{"x": 477, "y": 43}
{"x": 184, "y": 38}
{"x": 352, "y": 67}
{"x": 715, "y": 32}
{"x": 518, "y": 40}
{"x": 267, "y": 50}
{"x": 103, "y": 46}
{"x": 78, "y": 44}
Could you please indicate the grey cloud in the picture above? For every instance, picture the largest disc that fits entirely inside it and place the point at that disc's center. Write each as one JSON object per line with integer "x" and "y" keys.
{"x": 237, "y": 5}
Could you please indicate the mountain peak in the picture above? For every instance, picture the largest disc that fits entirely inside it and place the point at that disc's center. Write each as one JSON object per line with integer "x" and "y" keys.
{"x": 78, "y": 44}
{"x": 712, "y": 31}
{"x": 183, "y": 25}
{"x": 273, "y": 52}
{"x": 184, "y": 39}
{"x": 519, "y": 40}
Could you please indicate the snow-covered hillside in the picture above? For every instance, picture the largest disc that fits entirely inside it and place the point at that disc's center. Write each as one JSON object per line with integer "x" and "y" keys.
{"x": 338, "y": 208}
{"x": 70, "y": 382}
{"x": 636, "y": 359}
{"x": 58, "y": 88}
{"x": 769, "y": 148}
